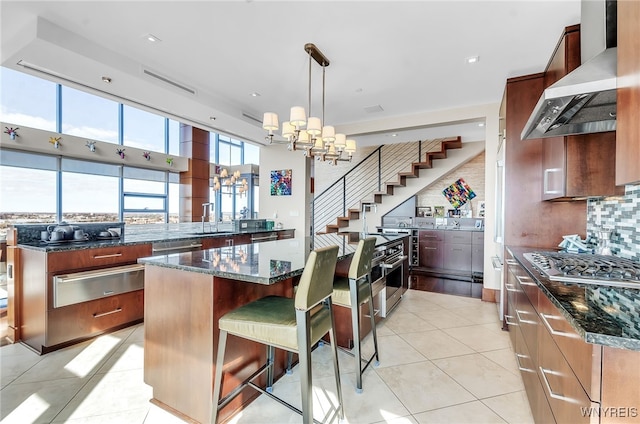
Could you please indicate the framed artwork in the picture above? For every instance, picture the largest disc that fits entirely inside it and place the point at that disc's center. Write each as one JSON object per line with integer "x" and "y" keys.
{"x": 438, "y": 211}
{"x": 424, "y": 211}
{"x": 281, "y": 182}
{"x": 458, "y": 193}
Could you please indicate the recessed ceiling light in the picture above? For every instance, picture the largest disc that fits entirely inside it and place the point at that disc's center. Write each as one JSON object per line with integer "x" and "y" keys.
{"x": 106, "y": 79}
{"x": 255, "y": 94}
{"x": 213, "y": 118}
{"x": 472, "y": 59}
{"x": 152, "y": 38}
{"x": 394, "y": 135}
{"x": 481, "y": 124}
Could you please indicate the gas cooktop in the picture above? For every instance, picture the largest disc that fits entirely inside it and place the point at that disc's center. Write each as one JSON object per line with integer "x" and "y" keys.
{"x": 587, "y": 268}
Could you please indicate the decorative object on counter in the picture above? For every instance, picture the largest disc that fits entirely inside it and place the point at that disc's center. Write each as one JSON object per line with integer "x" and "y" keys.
{"x": 55, "y": 141}
{"x": 146, "y": 155}
{"x": 438, "y": 211}
{"x": 458, "y": 193}
{"x": 317, "y": 139}
{"x": 604, "y": 237}
{"x": 481, "y": 209}
{"x": 120, "y": 153}
{"x": 170, "y": 161}
{"x": 13, "y": 132}
{"x": 281, "y": 182}
{"x": 573, "y": 244}
{"x": 91, "y": 145}
{"x": 453, "y": 213}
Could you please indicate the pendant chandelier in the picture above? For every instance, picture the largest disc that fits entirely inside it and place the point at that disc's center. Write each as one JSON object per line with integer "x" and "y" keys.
{"x": 225, "y": 183}
{"x": 311, "y": 135}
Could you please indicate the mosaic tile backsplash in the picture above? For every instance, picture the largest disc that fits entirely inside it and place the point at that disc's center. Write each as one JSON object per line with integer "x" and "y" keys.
{"x": 622, "y": 214}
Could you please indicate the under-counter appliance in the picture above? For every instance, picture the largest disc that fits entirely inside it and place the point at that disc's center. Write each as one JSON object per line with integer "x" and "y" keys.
{"x": 392, "y": 266}
{"x": 586, "y": 268}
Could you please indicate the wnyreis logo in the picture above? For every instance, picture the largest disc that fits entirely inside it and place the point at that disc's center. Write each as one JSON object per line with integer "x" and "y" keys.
{"x": 609, "y": 412}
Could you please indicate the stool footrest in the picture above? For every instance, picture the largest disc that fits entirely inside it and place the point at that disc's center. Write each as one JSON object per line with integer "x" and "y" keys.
{"x": 366, "y": 361}
{"x": 247, "y": 382}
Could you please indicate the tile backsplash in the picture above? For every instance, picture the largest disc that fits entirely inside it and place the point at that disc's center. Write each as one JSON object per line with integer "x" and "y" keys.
{"x": 622, "y": 214}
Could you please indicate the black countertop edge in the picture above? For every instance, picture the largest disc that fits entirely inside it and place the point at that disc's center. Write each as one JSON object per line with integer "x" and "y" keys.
{"x": 595, "y": 326}
{"x": 134, "y": 239}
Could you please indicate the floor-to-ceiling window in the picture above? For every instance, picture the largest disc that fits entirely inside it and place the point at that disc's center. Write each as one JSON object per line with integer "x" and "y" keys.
{"x": 47, "y": 188}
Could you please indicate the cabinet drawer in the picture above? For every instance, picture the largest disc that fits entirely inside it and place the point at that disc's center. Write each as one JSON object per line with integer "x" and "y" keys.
{"x": 477, "y": 238}
{"x": 431, "y": 235}
{"x": 563, "y": 390}
{"x": 94, "y": 258}
{"x": 456, "y": 236}
{"x": 457, "y": 256}
{"x": 84, "y": 320}
{"x": 583, "y": 358}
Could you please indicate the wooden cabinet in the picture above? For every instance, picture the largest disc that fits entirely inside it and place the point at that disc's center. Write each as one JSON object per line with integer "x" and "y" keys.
{"x": 575, "y": 166}
{"x": 457, "y": 251}
{"x": 45, "y": 327}
{"x": 627, "y": 163}
{"x": 430, "y": 247}
{"x": 230, "y": 240}
{"x": 286, "y": 234}
{"x": 477, "y": 252}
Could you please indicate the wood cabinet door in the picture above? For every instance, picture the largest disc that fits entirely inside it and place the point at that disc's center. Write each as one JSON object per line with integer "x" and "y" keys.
{"x": 628, "y": 93}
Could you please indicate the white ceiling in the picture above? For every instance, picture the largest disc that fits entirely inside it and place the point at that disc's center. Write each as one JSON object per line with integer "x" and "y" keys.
{"x": 407, "y": 57}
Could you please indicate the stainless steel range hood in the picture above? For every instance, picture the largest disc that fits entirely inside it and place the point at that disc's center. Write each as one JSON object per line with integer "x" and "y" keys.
{"x": 584, "y": 101}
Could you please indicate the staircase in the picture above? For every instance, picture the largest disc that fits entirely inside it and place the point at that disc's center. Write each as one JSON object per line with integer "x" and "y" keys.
{"x": 387, "y": 177}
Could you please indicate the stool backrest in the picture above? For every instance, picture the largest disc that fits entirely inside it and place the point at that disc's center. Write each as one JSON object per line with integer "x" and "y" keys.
{"x": 316, "y": 282}
{"x": 361, "y": 262}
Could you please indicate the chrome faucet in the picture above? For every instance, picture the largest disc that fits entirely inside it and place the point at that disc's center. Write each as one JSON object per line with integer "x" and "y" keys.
{"x": 211, "y": 209}
{"x": 367, "y": 207}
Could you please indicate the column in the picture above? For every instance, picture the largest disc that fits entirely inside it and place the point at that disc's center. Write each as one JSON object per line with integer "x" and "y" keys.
{"x": 194, "y": 183}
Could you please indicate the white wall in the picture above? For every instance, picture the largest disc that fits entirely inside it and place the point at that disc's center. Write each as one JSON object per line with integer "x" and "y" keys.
{"x": 292, "y": 211}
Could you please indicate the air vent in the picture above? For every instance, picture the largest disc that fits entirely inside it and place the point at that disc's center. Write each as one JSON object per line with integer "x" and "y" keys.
{"x": 168, "y": 81}
{"x": 373, "y": 109}
{"x": 253, "y": 118}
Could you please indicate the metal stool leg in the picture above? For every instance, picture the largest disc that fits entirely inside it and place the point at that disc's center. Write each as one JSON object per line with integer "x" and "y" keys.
{"x": 355, "y": 324}
{"x": 373, "y": 324}
{"x": 270, "y": 360}
{"x": 336, "y": 367}
{"x": 304, "y": 358}
{"x": 289, "y": 362}
{"x": 217, "y": 381}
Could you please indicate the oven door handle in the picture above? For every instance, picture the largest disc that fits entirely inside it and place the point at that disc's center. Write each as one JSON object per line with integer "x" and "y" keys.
{"x": 394, "y": 264}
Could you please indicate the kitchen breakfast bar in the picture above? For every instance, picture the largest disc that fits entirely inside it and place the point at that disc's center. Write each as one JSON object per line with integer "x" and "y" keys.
{"x": 187, "y": 293}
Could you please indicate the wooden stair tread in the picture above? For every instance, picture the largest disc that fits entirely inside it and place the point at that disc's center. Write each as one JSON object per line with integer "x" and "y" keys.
{"x": 353, "y": 214}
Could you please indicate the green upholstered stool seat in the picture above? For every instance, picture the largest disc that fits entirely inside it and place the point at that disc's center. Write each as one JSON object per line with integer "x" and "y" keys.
{"x": 342, "y": 293}
{"x": 272, "y": 320}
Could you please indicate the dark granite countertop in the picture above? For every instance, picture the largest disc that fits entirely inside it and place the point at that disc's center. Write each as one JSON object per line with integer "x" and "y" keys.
{"x": 608, "y": 316}
{"x": 133, "y": 238}
{"x": 262, "y": 263}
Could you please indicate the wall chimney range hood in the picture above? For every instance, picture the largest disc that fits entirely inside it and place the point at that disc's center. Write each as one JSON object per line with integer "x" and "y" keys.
{"x": 584, "y": 101}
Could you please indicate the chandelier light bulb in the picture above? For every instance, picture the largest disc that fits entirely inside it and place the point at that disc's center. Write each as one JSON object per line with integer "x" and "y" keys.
{"x": 288, "y": 130}
{"x": 328, "y": 133}
{"x": 298, "y": 117}
{"x": 314, "y": 126}
{"x": 340, "y": 141}
{"x": 270, "y": 121}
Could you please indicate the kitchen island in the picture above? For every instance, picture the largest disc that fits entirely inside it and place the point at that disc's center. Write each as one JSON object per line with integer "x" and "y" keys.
{"x": 186, "y": 294}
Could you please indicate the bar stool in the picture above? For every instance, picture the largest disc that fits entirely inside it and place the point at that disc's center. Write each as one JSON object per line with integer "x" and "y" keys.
{"x": 352, "y": 292}
{"x": 294, "y": 325}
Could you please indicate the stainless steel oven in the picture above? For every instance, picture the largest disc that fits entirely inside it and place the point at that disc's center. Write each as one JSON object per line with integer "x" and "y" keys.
{"x": 393, "y": 270}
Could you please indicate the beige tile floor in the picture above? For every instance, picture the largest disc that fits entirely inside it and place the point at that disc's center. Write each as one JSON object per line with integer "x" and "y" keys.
{"x": 444, "y": 359}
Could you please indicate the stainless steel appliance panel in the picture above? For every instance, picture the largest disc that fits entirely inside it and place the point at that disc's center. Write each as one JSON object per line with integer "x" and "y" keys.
{"x": 80, "y": 287}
